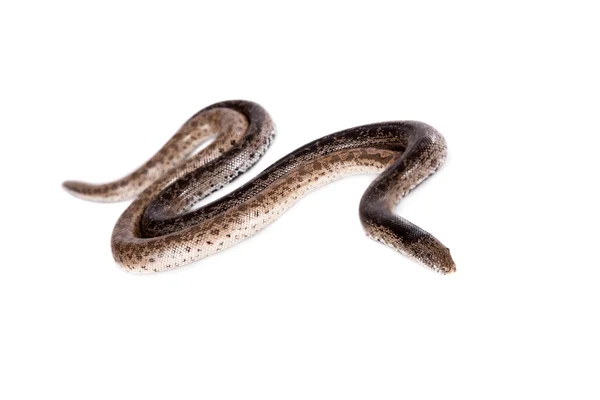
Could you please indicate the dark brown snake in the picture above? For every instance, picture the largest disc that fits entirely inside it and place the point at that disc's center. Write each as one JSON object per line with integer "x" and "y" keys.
{"x": 160, "y": 230}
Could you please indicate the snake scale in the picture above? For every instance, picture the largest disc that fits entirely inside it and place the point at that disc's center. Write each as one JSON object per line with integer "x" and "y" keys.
{"x": 161, "y": 229}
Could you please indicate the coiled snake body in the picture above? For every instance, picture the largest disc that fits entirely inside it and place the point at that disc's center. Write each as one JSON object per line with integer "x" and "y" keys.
{"x": 160, "y": 230}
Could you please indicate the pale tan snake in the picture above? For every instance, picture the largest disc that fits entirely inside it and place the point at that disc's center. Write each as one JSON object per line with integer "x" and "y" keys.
{"x": 160, "y": 230}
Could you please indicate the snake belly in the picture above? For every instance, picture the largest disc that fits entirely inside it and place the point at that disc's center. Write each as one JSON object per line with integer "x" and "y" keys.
{"x": 161, "y": 229}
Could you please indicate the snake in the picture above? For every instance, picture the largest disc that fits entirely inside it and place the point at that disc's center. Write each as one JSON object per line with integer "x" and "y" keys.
{"x": 164, "y": 227}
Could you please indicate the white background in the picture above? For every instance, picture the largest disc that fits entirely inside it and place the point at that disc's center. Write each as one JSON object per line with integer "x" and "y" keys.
{"x": 310, "y": 308}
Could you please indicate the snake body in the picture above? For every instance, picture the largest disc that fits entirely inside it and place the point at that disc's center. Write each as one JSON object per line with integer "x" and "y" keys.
{"x": 161, "y": 230}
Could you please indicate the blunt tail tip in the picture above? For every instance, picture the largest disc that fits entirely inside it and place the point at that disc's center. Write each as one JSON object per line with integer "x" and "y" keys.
{"x": 78, "y": 189}
{"x": 68, "y": 185}
{"x": 72, "y": 187}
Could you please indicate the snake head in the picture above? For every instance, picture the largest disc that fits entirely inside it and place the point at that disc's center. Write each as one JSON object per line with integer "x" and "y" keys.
{"x": 433, "y": 254}
{"x": 443, "y": 264}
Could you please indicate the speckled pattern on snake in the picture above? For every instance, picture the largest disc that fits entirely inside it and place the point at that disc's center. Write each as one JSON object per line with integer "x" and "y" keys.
{"x": 161, "y": 229}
